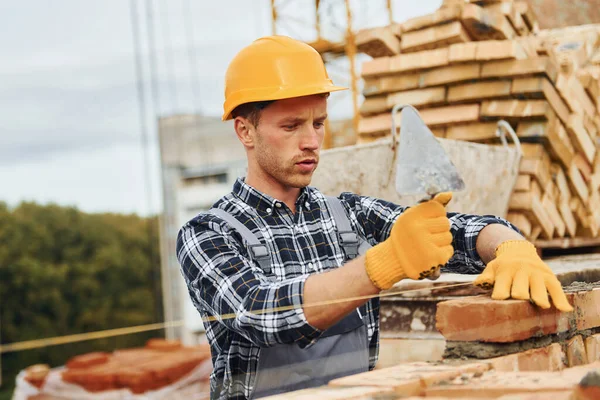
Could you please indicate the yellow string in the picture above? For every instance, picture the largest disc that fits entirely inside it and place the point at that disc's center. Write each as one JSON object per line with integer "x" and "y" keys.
{"x": 53, "y": 341}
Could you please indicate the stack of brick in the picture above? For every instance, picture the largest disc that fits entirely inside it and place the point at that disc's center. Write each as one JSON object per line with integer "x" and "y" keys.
{"x": 159, "y": 364}
{"x": 468, "y": 65}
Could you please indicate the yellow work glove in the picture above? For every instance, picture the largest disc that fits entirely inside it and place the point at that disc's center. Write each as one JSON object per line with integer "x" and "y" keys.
{"x": 518, "y": 272}
{"x": 419, "y": 244}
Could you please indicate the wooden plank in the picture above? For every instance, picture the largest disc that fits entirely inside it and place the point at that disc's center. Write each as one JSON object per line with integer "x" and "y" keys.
{"x": 462, "y": 52}
{"x": 450, "y": 74}
{"x": 416, "y": 61}
{"x": 523, "y": 183}
{"x": 433, "y": 117}
{"x": 528, "y": 15}
{"x": 577, "y": 183}
{"x": 377, "y": 42}
{"x": 534, "y": 151}
{"x": 387, "y": 84}
{"x": 472, "y": 132}
{"x": 512, "y": 13}
{"x": 536, "y": 230}
{"x": 584, "y": 167}
{"x": 441, "y": 16}
{"x": 376, "y": 67}
{"x": 500, "y": 50}
{"x": 536, "y": 168}
{"x": 485, "y": 24}
{"x": 434, "y": 37}
{"x": 420, "y": 97}
{"x": 568, "y": 217}
{"x": 574, "y": 94}
{"x": 529, "y": 66}
{"x": 526, "y": 201}
{"x": 580, "y": 137}
{"x": 590, "y": 126}
{"x": 521, "y": 221}
{"x": 374, "y": 105}
{"x": 554, "y": 215}
{"x": 554, "y": 135}
{"x": 479, "y": 91}
{"x": 559, "y": 177}
{"x": 540, "y": 87}
{"x": 515, "y": 109}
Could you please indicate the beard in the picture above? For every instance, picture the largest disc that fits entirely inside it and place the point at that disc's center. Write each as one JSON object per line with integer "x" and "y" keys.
{"x": 284, "y": 171}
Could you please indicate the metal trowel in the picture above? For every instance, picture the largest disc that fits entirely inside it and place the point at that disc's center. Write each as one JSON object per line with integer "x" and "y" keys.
{"x": 423, "y": 167}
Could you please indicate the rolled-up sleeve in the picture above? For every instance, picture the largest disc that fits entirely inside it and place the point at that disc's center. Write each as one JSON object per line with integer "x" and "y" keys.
{"x": 225, "y": 286}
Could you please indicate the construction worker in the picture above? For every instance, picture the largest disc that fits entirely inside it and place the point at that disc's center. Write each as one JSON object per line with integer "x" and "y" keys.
{"x": 285, "y": 278}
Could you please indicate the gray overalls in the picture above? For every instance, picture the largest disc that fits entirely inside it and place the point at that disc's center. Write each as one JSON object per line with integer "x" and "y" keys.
{"x": 342, "y": 350}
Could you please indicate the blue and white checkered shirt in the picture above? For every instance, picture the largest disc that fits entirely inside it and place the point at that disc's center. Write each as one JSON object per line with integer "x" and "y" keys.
{"x": 222, "y": 280}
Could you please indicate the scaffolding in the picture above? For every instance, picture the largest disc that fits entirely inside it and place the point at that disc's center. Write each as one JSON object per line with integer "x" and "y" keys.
{"x": 330, "y": 27}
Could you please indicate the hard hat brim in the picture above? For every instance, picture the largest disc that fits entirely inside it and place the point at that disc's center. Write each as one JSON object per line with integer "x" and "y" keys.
{"x": 271, "y": 94}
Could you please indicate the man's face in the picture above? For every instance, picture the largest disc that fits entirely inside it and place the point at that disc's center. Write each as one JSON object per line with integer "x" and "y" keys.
{"x": 289, "y": 136}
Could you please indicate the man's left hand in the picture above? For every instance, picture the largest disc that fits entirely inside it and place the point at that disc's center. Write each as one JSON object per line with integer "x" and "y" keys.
{"x": 518, "y": 272}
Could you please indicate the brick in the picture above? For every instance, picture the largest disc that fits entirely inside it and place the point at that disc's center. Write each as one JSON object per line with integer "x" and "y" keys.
{"x": 479, "y": 91}
{"x": 485, "y": 24}
{"x": 588, "y": 306}
{"x": 472, "y": 132}
{"x": 592, "y": 348}
{"x": 450, "y": 74}
{"x": 515, "y": 109}
{"x": 434, "y": 37}
{"x": 540, "y": 87}
{"x": 576, "y": 354}
{"x": 496, "y": 384}
{"x": 462, "y": 52}
{"x": 486, "y": 320}
{"x": 416, "y": 61}
{"x": 441, "y": 16}
{"x": 412, "y": 378}
{"x": 334, "y": 393}
{"x": 500, "y": 50}
{"x": 376, "y": 67}
{"x": 580, "y": 137}
{"x": 377, "y": 42}
{"x": 375, "y": 86}
{"x": 511, "y": 68}
{"x": 550, "y": 358}
{"x": 420, "y": 97}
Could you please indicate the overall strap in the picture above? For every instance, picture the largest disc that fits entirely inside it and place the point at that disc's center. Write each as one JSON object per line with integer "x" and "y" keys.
{"x": 258, "y": 251}
{"x": 347, "y": 237}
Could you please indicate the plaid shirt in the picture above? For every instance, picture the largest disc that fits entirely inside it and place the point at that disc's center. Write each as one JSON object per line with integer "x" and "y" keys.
{"x": 222, "y": 280}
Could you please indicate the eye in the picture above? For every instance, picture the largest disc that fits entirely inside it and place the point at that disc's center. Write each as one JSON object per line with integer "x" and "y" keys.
{"x": 319, "y": 125}
{"x": 290, "y": 127}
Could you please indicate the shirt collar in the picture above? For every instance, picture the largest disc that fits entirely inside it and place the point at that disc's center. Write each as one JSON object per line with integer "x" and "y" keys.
{"x": 261, "y": 201}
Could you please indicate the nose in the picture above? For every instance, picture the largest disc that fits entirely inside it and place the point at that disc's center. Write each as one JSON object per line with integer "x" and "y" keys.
{"x": 310, "y": 139}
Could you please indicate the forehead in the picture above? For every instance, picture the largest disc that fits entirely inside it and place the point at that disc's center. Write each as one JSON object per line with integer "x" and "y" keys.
{"x": 313, "y": 105}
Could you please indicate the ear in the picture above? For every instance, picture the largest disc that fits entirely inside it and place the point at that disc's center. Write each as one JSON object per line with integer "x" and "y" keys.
{"x": 245, "y": 131}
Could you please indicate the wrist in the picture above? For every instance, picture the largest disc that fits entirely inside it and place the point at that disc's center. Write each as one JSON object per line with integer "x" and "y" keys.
{"x": 520, "y": 246}
{"x": 382, "y": 266}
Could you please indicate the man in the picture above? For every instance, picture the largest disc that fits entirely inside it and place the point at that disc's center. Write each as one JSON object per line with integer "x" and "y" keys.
{"x": 310, "y": 312}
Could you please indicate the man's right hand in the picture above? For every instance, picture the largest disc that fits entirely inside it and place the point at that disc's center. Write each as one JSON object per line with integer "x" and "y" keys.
{"x": 419, "y": 244}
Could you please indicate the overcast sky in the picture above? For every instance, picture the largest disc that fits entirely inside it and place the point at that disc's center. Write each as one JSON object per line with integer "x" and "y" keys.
{"x": 70, "y": 130}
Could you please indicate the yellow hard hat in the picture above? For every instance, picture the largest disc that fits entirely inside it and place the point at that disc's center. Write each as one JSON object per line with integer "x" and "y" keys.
{"x": 274, "y": 68}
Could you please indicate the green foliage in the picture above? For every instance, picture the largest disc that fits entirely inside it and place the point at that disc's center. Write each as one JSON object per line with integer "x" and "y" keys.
{"x": 63, "y": 272}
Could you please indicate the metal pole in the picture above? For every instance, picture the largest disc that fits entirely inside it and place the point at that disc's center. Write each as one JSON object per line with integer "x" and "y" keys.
{"x": 351, "y": 54}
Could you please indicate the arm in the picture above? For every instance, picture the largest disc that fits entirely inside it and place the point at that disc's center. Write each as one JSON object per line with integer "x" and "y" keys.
{"x": 493, "y": 236}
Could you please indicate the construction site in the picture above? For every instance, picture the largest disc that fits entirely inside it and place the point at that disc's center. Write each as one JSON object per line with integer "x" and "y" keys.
{"x": 511, "y": 91}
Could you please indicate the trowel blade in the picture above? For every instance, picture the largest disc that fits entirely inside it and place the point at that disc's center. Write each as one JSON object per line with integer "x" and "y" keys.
{"x": 423, "y": 166}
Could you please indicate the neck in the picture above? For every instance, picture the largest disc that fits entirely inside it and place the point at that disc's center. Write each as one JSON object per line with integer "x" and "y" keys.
{"x": 266, "y": 184}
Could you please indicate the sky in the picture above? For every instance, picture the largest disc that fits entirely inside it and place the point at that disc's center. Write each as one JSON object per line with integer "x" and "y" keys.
{"x": 70, "y": 129}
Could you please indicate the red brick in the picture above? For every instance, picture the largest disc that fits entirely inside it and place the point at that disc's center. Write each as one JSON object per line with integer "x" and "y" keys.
{"x": 486, "y": 320}
{"x": 412, "y": 378}
{"x": 576, "y": 354}
{"x": 550, "y": 358}
{"x": 87, "y": 360}
{"x": 588, "y": 309}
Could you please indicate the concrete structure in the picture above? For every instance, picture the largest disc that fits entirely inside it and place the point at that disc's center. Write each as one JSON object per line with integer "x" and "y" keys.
{"x": 201, "y": 157}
